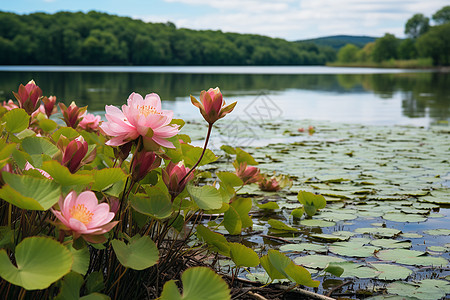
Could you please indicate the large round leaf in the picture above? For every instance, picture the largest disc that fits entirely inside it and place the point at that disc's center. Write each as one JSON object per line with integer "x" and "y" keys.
{"x": 198, "y": 283}
{"x": 157, "y": 204}
{"x": 40, "y": 262}
{"x": 139, "y": 254}
{"x": 16, "y": 120}
{"x": 206, "y": 197}
{"x": 243, "y": 256}
{"x": 29, "y": 192}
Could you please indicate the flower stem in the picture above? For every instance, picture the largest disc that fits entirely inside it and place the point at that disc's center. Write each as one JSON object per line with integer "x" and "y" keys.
{"x": 210, "y": 125}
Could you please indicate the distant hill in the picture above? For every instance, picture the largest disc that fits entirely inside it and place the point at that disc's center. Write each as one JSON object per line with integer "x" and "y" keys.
{"x": 338, "y": 41}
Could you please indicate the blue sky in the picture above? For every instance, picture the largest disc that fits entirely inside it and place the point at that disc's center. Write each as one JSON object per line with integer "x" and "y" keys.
{"x": 288, "y": 19}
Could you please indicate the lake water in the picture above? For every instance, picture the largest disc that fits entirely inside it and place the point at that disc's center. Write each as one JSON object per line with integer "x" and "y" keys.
{"x": 350, "y": 95}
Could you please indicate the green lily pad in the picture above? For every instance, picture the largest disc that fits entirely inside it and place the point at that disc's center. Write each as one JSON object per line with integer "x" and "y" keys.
{"x": 303, "y": 247}
{"x": 206, "y": 197}
{"x": 352, "y": 249}
{"x": 411, "y": 257}
{"x": 276, "y": 224}
{"x": 40, "y": 261}
{"x": 382, "y": 232}
{"x": 317, "y": 223}
{"x": 430, "y": 290}
{"x": 139, "y": 254}
{"x": 388, "y": 243}
{"x": 317, "y": 261}
{"x": 411, "y": 235}
{"x": 243, "y": 256}
{"x": 401, "y": 217}
{"x": 198, "y": 283}
{"x": 391, "y": 272}
{"x": 441, "y": 231}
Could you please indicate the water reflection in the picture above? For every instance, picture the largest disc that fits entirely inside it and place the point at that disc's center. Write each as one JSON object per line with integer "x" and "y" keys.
{"x": 357, "y": 97}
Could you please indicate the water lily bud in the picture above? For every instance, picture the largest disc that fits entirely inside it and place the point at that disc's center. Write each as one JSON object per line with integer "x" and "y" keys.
{"x": 248, "y": 174}
{"x": 212, "y": 106}
{"x": 72, "y": 114}
{"x": 143, "y": 163}
{"x": 28, "y": 96}
{"x": 172, "y": 176}
{"x": 74, "y": 153}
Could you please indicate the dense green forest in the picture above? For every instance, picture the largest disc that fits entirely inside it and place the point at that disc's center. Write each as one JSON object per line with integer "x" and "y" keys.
{"x": 95, "y": 38}
{"x": 426, "y": 45}
{"x": 338, "y": 41}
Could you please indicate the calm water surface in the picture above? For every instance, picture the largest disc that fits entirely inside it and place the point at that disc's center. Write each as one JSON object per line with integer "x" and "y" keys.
{"x": 352, "y": 95}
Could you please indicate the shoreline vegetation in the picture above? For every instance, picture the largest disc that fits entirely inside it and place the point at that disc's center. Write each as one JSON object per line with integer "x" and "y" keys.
{"x": 95, "y": 38}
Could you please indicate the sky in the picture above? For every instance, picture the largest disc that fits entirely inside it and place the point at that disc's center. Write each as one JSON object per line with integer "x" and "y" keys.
{"x": 287, "y": 19}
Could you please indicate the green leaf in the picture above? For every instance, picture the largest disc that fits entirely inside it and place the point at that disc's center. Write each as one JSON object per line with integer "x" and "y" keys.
{"x": 316, "y": 261}
{"x": 63, "y": 176}
{"x": 206, "y": 197}
{"x": 228, "y": 149}
{"x": 28, "y": 192}
{"x": 40, "y": 262}
{"x": 191, "y": 155}
{"x": 47, "y": 125}
{"x": 411, "y": 257}
{"x": 270, "y": 269}
{"x": 105, "y": 178}
{"x": 218, "y": 242}
{"x": 16, "y": 120}
{"x": 39, "y": 145}
{"x": 198, "y": 283}
{"x": 141, "y": 253}
{"x": 298, "y": 212}
{"x": 232, "y": 222}
{"x": 243, "y": 207}
{"x": 268, "y": 205}
{"x": 81, "y": 259}
{"x": 229, "y": 178}
{"x": 243, "y": 256}
{"x": 157, "y": 204}
{"x": 303, "y": 247}
{"x": 94, "y": 282}
{"x": 276, "y": 224}
{"x": 311, "y": 202}
{"x": 334, "y": 270}
{"x": 242, "y": 156}
{"x": 70, "y": 287}
{"x": 290, "y": 270}
{"x": 68, "y": 132}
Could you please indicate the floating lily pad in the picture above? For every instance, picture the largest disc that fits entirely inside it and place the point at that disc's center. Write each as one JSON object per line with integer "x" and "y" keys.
{"x": 352, "y": 249}
{"x": 411, "y": 257}
{"x": 329, "y": 237}
{"x": 441, "y": 231}
{"x": 317, "y": 261}
{"x": 426, "y": 289}
{"x": 317, "y": 223}
{"x": 401, "y": 217}
{"x": 388, "y": 243}
{"x": 391, "y": 271}
{"x": 411, "y": 235}
{"x": 303, "y": 247}
{"x": 383, "y": 232}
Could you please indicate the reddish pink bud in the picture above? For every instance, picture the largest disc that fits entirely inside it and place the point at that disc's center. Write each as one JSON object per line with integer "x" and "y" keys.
{"x": 172, "y": 176}
{"x": 143, "y": 163}
{"x": 72, "y": 114}
{"x": 9, "y": 105}
{"x": 212, "y": 106}
{"x": 28, "y": 96}
{"x": 49, "y": 105}
{"x": 311, "y": 130}
{"x": 248, "y": 174}
{"x": 301, "y": 129}
{"x": 269, "y": 185}
{"x": 74, "y": 153}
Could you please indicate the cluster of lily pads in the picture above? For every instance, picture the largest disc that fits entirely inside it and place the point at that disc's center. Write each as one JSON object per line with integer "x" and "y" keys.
{"x": 386, "y": 222}
{"x": 93, "y": 209}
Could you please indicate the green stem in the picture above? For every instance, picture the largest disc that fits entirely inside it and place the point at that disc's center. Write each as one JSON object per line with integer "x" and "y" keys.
{"x": 201, "y": 156}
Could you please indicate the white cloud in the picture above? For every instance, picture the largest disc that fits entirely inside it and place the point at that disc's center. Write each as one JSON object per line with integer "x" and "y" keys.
{"x": 293, "y": 19}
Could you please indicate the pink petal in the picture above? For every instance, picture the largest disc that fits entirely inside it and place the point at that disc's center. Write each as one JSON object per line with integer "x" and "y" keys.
{"x": 88, "y": 199}
{"x": 163, "y": 142}
{"x": 153, "y": 100}
{"x": 69, "y": 202}
{"x": 76, "y": 225}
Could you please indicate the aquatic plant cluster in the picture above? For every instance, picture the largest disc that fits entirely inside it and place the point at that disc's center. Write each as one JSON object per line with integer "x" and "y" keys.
{"x": 117, "y": 208}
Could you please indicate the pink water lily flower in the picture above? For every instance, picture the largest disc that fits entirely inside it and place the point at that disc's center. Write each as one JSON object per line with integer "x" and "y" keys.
{"x": 90, "y": 122}
{"x": 83, "y": 215}
{"x": 212, "y": 106}
{"x": 140, "y": 117}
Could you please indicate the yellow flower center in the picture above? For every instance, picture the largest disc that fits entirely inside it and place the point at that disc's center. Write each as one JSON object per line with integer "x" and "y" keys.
{"x": 147, "y": 110}
{"x": 81, "y": 213}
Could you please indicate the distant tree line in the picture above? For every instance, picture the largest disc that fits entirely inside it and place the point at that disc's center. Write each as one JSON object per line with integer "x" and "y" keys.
{"x": 96, "y": 38}
{"x": 424, "y": 41}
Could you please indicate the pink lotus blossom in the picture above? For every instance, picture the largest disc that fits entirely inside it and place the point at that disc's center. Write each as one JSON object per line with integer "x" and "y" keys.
{"x": 248, "y": 174}
{"x": 172, "y": 175}
{"x": 83, "y": 215}
{"x": 90, "y": 122}
{"x": 140, "y": 117}
{"x": 212, "y": 106}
